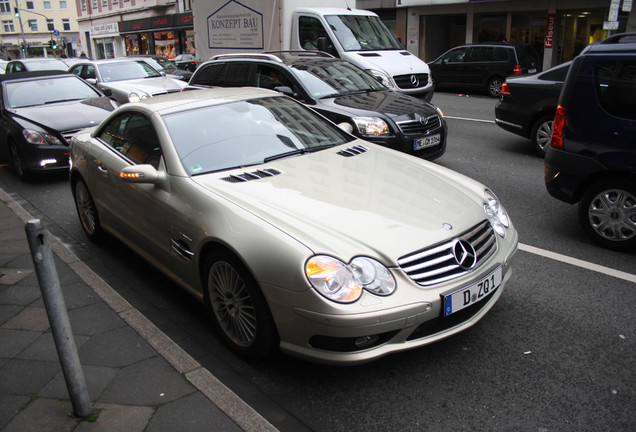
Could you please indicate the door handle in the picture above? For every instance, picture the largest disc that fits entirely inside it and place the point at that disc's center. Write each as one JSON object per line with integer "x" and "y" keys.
{"x": 102, "y": 169}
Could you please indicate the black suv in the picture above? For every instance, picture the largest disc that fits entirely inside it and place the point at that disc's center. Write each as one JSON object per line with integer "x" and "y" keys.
{"x": 483, "y": 66}
{"x": 592, "y": 156}
{"x": 338, "y": 90}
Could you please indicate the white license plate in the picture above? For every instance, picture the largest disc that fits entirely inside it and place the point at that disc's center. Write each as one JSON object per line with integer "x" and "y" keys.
{"x": 471, "y": 294}
{"x": 430, "y": 141}
{"x": 532, "y": 71}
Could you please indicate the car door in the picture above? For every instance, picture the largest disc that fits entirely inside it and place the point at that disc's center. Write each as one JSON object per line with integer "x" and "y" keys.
{"x": 450, "y": 68}
{"x": 137, "y": 212}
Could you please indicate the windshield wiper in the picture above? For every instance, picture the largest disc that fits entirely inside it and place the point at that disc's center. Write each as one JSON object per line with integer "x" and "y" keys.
{"x": 62, "y": 100}
{"x": 297, "y": 152}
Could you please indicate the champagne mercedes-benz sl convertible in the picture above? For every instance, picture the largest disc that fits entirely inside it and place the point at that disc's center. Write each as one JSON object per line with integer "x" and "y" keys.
{"x": 297, "y": 235}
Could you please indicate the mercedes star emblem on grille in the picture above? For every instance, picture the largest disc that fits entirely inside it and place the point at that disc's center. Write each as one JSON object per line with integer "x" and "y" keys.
{"x": 464, "y": 254}
{"x": 414, "y": 81}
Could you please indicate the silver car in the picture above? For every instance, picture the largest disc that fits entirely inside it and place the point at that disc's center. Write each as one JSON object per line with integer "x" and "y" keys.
{"x": 126, "y": 80}
{"x": 295, "y": 233}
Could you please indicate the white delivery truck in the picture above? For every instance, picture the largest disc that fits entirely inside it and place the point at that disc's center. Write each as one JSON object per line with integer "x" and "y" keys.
{"x": 359, "y": 36}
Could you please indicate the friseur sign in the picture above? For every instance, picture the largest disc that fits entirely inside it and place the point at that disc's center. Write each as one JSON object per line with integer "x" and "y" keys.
{"x": 235, "y": 26}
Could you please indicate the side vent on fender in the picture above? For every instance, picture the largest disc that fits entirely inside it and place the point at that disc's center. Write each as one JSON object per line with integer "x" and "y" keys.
{"x": 353, "y": 151}
{"x": 252, "y": 175}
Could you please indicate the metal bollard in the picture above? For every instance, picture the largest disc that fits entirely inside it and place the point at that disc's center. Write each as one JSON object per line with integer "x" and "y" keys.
{"x": 58, "y": 317}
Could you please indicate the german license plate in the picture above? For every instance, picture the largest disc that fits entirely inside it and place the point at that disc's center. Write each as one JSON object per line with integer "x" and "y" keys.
{"x": 532, "y": 71}
{"x": 430, "y": 141}
{"x": 471, "y": 294}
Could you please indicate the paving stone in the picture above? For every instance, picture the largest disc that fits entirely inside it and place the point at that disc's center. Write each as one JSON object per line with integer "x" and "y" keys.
{"x": 15, "y": 341}
{"x": 10, "y": 406}
{"x": 94, "y": 319}
{"x": 43, "y": 348}
{"x": 151, "y": 382}
{"x": 118, "y": 418}
{"x": 26, "y": 377}
{"x": 97, "y": 379}
{"x": 20, "y": 295}
{"x": 44, "y": 415}
{"x": 31, "y": 318}
{"x": 193, "y": 413}
{"x": 10, "y": 276}
{"x": 116, "y": 348}
{"x": 7, "y": 312}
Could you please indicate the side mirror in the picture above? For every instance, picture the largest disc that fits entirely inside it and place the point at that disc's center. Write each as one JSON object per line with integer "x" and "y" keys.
{"x": 91, "y": 81}
{"x": 144, "y": 173}
{"x": 346, "y": 127}
{"x": 285, "y": 90}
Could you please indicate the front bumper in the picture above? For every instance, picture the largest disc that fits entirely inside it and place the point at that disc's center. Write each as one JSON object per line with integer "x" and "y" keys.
{"x": 43, "y": 158}
{"x": 371, "y": 331}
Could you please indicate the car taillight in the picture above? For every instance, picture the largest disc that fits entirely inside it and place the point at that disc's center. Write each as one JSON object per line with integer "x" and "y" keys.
{"x": 505, "y": 90}
{"x": 557, "y": 127}
{"x": 517, "y": 70}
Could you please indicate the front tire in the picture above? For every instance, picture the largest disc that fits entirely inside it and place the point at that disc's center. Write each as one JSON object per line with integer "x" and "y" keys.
{"x": 494, "y": 87}
{"x": 23, "y": 172}
{"x": 238, "y": 307}
{"x": 542, "y": 132}
{"x": 607, "y": 212}
{"x": 87, "y": 211}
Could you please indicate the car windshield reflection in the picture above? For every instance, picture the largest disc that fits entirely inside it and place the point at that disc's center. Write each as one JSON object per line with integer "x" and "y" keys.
{"x": 334, "y": 79}
{"x": 122, "y": 71}
{"x": 248, "y": 133}
{"x": 20, "y": 94}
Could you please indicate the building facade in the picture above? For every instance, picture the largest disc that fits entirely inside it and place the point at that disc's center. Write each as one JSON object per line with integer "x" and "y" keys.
{"x": 558, "y": 29}
{"x": 38, "y": 28}
{"x": 115, "y": 28}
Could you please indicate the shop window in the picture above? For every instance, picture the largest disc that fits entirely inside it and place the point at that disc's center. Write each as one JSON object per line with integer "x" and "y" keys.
{"x": 165, "y": 44}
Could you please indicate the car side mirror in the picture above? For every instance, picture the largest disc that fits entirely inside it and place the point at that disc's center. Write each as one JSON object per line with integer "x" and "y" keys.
{"x": 91, "y": 81}
{"x": 346, "y": 127}
{"x": 286, "y": 91}
{"x": 143, "y": 173}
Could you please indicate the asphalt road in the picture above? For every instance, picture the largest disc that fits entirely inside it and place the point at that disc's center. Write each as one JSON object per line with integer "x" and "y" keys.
{"x": 556, "y": 353}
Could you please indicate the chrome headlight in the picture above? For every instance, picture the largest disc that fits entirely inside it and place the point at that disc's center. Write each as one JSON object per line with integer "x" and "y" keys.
{"x": 40, "y": 138}
{"x": 496, "y": 213}
{"x": 343, "y": 283}
{"x": 382, "y": 77}
{"x": 371, "y": 126}
{"x": 135, "y": 97}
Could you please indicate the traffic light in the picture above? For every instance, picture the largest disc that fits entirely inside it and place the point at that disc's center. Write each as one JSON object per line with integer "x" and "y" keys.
{"x": 53, "y": 44}
{"x": 16, "y": 12}
{"x": 23, "y": 48}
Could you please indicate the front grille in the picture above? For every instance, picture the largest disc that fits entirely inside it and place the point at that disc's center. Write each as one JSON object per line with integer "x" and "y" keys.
{"x": 438, "y": 263}
{"x": 252, "y": 175}
{"x": 417, "y": 127}
{"x": 67, "y": 135}
{"x": 411, "y": 81}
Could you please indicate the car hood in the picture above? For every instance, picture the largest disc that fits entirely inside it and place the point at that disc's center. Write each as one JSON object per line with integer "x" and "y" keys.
{"x": 150, "y": 86}
{"x": 389, "y": 60}
{"x": 380, "y": 203}
{"x": 67, "y": 116}
{"x": 397, "y": 106}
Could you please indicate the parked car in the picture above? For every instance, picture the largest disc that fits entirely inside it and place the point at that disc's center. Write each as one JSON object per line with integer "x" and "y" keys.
{"x": 483, "y": 66}
{"x": 126, "y": 80}
{"x": 186, "y": 62}
{"x": 295, "y": 233}
{"x": 39, "y": 111}
{"x": 35, "y": 64}
{"x": 528, "y": 104}
{"x": 163, "y": 65}
{"x": 340, "y": 91}
{"x": 592, "y": 157}
{"x": 3, "y": 66}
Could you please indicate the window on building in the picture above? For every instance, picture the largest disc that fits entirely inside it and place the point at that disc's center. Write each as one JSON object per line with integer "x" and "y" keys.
{"x": 63, "y": 4}
{"x": 33, "y": 24}
{"x": 5, "y": 6}
{"x": 49, "y": 25}
{"x": 47, "y": 4}
{"x": 83, "y": 4}
{"x": 30, "y": 5}
{"x": 8, "y": 26}
{"x": 66, "y": 24}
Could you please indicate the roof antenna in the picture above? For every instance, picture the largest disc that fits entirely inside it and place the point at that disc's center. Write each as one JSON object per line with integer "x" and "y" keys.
{"x": 347, "y": 3}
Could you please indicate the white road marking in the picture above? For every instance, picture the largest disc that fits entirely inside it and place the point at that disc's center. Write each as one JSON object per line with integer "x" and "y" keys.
{"x": 579, "y": 263}
{"x": 469, "y": 119}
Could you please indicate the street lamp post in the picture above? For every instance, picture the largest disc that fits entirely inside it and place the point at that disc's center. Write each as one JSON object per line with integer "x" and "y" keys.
{"x": 23, "y": 54}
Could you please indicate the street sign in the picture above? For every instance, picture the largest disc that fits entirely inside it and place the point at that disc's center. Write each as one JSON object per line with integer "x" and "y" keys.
{"x": 56, "y": 32}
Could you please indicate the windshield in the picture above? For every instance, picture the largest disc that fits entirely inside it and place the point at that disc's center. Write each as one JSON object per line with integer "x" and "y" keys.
{"x": 362, "y": 33}
{"x": 333, "y": 78}
{"x": 161, "y": 63}
{"x": 121, "y": 71}
{"x": 20, "y": 94}
{"x": 51, "y": 64}
{"x": 248, "y": 133}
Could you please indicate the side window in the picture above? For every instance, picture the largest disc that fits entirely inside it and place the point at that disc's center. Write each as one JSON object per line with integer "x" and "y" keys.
{"x": 269, "y": 77}
{"x": 210, "y": 75}
{"x": 455, "y": 56}
{"x": 238, "y": 74}
{"x": 76, "y": 70}
{"x": 309, "y": 30}
{"x": 501, "y": 54}
{"x": 616, "y": 87}
{"x": 89, "y": 72}
{"x": 133, "y": 136}
{"x": 480, "y": 54}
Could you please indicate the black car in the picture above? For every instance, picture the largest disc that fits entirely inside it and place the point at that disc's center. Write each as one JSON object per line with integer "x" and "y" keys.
{"x": 35, "y": 64}
{"x": 186, "y": 62}
{"x": 528, "y": 104}
{"x": 483, "y": 66}
{"x": 39, "y": 111}
{"x": 592, "y": 156}
{"x": 163, "y": 65}
{"x": 340, "y": 91}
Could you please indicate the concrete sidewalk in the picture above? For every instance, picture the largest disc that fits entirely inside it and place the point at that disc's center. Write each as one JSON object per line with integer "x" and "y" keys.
{"x": 138, "y": 379}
